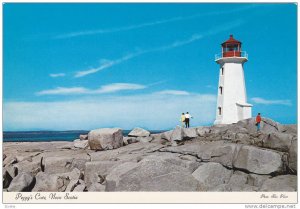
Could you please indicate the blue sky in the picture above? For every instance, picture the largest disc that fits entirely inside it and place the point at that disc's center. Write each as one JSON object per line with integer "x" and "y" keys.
{"x": 85, "y": 66}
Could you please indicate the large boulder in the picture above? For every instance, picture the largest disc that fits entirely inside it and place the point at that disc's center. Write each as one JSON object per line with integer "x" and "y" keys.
{"x": 139, "y": 132}
{"x": 211, "y": 175}
{"x": 150, "y": 175}
{"x": 50, "y": 183}
{"x": 65, "y": 161}
{"x": 259, "y": 161}
{"x": 23, "y": 182}
{"x": 53, "y": 165}
{"x": 105, "y": 139}
{"x": 278, "y": 141}
{"x": 34, "y": 166}
{"x": 177, "y": 134}
{"x": 284, "y": 183}
{"x": 167, "y": 135}
{"x": 56, "y": 182}
{"x": 189, "y": 133}
{"x": 82, "y": 144}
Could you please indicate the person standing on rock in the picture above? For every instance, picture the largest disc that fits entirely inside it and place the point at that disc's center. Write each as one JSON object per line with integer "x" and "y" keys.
{"x": 258, "y": 120}
{"x": 187, "y": 119}
{"x": 182, "y": 119}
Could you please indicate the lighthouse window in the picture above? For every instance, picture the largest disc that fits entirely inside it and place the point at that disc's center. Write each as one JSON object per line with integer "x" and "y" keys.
{"x": 220, "y": 110}
{"x": 221, "y": 90}
{"x": 222, "y": 71}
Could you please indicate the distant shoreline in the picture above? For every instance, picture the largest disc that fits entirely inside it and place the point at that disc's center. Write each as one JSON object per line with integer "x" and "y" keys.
{"x": 50, "y": 136}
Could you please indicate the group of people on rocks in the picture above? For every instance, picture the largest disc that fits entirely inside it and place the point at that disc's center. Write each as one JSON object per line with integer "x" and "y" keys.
{"x": 185, "y": 119}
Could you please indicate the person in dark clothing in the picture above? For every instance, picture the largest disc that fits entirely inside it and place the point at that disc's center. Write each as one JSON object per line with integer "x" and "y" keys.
{"x": 187, "y": 119}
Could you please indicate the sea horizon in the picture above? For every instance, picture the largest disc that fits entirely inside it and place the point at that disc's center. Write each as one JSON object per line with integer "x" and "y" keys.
{"x": 47, "y": 136}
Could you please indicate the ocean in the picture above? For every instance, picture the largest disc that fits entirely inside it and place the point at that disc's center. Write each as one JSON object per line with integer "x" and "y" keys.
{"x": 46, "y": 136}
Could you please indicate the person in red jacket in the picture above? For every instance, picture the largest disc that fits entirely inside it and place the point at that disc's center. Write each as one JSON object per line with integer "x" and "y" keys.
{"x": 258, "y": 120}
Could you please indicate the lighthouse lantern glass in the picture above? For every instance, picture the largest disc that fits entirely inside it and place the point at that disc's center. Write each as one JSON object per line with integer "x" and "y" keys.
{"x": 231, "y": 50}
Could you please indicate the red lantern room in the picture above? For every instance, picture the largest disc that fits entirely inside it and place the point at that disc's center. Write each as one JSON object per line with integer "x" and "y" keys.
{"x": 231, "y": 48}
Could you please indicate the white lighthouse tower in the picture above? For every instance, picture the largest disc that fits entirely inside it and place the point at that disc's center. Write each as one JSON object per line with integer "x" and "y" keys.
{"x": 232, "y": 103}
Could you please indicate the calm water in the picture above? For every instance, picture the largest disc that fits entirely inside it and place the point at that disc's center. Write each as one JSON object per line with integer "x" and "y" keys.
{"x": 33, "y": 136}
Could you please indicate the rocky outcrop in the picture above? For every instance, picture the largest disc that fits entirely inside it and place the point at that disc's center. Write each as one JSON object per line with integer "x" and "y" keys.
{"x": 179, "y": 134}
{"x": 96, "y": 171}
{"x": 56, "y": 182}
{"x": 23, "y": 182}
{"x": 211, "y": 175}
{"x": 150, "y": 175}
{"x": 225, "y": 158}
{"x": 167, "y": 135}
{"x": 105, "y": 139}
{"x": 139, "y": 132}
{"x": 202, "y": 131}
{"x": 81, "y": 144}
{"x": 32, "y": 166}
{"x": 64, "y": 164}
{"x": 287, "y": 183}
{"x": 259, "y": 161}
{"x": 278, "y": 141}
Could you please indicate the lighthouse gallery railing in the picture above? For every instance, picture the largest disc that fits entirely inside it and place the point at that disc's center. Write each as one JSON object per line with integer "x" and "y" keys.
{"x": 235, "y": 54}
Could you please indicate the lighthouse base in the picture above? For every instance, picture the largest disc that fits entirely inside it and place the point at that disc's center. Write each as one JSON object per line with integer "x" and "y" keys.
{"x": 241, "y": 112}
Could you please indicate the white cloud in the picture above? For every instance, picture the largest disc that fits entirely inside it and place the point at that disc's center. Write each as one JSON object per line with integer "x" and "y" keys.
{"x": 106, "y": 64}
{"x": 173, "y": 92}
{"x": 110, "y": 88}
{"x": 259, "y": 100}
{"x": 151, "y": 111}
{"x": 119, "y": 87}
{"x": 63, "y": 91}
{"x": 54, "y": 75}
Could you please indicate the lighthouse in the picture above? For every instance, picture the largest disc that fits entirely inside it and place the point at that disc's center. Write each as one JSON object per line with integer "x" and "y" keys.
{"x": 232, "y": 103}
